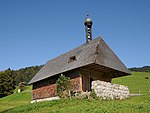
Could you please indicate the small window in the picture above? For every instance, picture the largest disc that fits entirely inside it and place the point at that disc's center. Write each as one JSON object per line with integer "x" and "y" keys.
{"x": 71, "y": 59}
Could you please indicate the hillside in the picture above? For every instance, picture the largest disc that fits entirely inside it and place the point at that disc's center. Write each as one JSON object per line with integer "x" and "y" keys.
{"x": 11, "y": 78}
{"x": 136, "y": 83}
{"x": 15, "y": 99}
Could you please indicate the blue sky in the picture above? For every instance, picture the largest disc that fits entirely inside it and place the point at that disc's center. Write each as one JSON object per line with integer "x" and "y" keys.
{"x": 35, "y": 31}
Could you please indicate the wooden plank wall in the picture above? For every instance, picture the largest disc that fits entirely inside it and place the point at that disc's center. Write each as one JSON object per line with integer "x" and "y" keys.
{"x": 47, "y": 88}
{"x": 87, "y": 75}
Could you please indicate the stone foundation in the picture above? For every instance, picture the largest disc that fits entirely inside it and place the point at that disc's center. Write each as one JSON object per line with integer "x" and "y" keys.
{"x": 106, "y": 90}
{"x": 45, "y": 99}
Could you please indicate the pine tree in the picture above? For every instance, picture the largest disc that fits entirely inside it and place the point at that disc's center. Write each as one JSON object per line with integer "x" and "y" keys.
{"x": 7, "y": 83}
{"x": 63, "y": 86}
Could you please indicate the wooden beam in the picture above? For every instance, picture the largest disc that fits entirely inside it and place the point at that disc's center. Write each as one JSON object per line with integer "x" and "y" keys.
{"x": 81, "y": 83}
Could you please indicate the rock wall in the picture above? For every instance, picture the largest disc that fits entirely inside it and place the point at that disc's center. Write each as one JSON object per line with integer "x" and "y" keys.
{"x": 106, "y": 90}
{"x": 45, "y": 99}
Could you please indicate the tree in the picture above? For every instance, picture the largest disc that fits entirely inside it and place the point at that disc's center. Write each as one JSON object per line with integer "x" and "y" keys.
{"x": 7, "y": 83}
{"x": 140, "y": 69}
{"x": 63, "y": 86}
{"x": 26, "y": 74}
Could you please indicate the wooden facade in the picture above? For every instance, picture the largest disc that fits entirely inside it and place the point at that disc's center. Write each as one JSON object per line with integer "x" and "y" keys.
{"x": 47, "y": 88}
{"x": 81, "y": 80}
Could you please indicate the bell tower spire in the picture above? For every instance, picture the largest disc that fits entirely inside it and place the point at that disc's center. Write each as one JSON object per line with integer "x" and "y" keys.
{"x": 88, "y": 28}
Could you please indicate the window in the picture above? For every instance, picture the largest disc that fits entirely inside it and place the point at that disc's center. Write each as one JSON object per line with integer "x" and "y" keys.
{"x": 72, "y": 58}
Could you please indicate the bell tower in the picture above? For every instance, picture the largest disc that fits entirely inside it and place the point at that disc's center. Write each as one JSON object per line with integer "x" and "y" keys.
{"x": 88, "y": 28}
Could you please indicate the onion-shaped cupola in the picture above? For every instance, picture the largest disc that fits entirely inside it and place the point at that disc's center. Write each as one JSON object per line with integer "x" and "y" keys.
{"x": 88, "y": 28}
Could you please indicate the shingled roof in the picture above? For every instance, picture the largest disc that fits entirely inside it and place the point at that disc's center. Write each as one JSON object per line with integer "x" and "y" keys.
{"x": 94, "y": 52}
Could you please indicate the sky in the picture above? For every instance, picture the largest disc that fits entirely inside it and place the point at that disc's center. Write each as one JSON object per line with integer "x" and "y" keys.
{"x": 35, "y": 31}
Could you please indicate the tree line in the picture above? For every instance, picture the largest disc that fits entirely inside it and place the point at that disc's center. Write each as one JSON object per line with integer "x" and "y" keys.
{"x": 26, "y": 74}
{"x": 140, "y": 69}
{"x": 11, "y": 78}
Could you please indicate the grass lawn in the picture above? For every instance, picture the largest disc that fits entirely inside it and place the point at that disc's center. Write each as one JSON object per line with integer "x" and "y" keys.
{"x": 15, "y": 99}
{"x": 132, "y": 105}
{"x": 136, "y": 82}
{"x": 20, "y": 103}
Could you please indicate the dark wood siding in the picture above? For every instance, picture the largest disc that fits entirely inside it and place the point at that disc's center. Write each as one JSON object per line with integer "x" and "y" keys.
{"x": 47, "y": 88}
{"x": 88, "y": 76}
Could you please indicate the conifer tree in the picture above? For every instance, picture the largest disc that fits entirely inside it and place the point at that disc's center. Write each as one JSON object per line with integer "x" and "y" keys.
{"x": 7, "y": 83}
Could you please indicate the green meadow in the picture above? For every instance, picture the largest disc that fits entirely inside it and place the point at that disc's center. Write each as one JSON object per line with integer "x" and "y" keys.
{"x": 137, "y": 83}
{"x": 15, "y": 99}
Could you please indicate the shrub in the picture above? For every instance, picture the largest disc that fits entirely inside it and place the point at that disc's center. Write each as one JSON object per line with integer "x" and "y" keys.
{"x": 93, "y": 94}
{"x": 63, "y": 86}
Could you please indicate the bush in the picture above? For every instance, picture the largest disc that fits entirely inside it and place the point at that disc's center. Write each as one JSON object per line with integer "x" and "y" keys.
{"x": 63, "y": 86}
{"x": 93, "y": 94}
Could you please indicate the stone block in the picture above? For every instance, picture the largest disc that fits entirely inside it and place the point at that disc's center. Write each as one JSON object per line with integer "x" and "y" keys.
{"x": 106, "y": 90}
